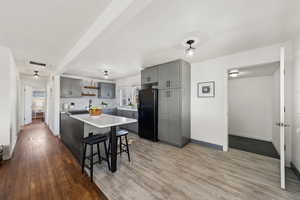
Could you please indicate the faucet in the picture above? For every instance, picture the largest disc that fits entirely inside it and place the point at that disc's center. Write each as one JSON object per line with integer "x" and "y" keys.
{"x": 90, "y": 104}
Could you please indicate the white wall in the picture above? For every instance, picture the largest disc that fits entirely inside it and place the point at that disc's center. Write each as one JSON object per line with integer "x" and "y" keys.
{"x": 296, "y": 99}
{"x": 209, "y": 115}
{"x": 53, "y": 104}
{"x": 9, "y": 81}
{"x": 250, "y": 107}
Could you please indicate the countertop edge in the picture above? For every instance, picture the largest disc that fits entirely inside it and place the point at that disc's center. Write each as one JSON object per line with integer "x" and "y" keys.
{"x": 107, "y": 126}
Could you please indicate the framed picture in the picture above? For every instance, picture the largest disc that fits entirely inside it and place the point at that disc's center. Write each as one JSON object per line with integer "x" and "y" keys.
{"x": 206, "y": 89}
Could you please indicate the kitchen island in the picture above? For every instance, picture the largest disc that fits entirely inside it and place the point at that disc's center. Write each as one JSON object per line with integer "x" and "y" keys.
{"x": 75, "y": 127}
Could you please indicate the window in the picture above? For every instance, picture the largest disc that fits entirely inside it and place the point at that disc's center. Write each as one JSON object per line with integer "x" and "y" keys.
{"x": 129, "y": 96}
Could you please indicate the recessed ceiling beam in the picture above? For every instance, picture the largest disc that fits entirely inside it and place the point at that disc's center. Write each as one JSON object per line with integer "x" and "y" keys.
{"x": 107, "y": 17}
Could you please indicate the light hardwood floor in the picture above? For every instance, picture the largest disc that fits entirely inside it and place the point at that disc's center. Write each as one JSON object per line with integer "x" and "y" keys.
{"x": 159, "y": 171}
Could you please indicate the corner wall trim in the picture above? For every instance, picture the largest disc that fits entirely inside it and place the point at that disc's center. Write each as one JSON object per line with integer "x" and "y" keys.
{"x": 207, "y": 144}
{"x": 295, "y": 170}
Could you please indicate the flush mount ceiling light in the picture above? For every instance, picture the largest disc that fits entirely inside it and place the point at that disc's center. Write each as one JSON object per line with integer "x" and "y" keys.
{"x": 106, "y": 74}
{"x": 234, "y": 73}
{"x": 36, "y": 75}
{"x": 190, "y": 51}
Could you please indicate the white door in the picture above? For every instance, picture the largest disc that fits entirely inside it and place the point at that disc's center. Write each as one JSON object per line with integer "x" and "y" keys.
{"x": 27, "y": 105}
{"x": 282, "y": 123}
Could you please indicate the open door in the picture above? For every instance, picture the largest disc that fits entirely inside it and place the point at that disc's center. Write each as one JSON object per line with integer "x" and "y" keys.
{"x": 27, "y": 104}
{"x": 282, "y": 123}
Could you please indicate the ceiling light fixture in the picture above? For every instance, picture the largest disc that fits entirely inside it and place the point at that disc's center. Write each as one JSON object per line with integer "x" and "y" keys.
{"x": 234, "y": 73}
{"x": 36, "y": 75}
{"x": 189, "y": 52}
{"x": 106, "y": 74}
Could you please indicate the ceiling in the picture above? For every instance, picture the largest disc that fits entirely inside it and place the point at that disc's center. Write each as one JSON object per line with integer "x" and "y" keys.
{"x": 44, "y": 31}
{"x": 47, "y": 30}
{"x": 266, "y": 69}
{"x": 155, "y": 35}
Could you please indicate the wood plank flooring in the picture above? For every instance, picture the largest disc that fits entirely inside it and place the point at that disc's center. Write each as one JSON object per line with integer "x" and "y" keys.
{"x": 159, "y": 171}
{"x": 43, "y": 168}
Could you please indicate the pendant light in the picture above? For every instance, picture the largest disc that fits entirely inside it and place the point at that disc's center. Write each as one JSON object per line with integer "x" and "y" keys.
{"x": 36, "y": 75}
{"x": 189, "y": 52}
{"x": 106, "y": 74}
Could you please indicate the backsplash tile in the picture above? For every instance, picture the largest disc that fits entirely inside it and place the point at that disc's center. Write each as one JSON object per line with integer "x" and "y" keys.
{"x": 83, "y": 102}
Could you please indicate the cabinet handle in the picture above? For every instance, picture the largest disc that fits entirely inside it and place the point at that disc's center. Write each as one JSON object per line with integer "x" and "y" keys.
{"x": 168, "y": 84}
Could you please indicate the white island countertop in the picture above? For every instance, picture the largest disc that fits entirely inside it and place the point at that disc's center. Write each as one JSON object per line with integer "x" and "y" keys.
{"x": 103, "y": 120}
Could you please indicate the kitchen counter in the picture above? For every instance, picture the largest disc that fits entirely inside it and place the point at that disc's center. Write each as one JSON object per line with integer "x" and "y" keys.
{"x": 103, "y": 120}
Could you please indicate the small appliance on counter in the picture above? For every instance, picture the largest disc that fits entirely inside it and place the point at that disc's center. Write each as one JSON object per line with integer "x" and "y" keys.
{"x": 147, "y": 111}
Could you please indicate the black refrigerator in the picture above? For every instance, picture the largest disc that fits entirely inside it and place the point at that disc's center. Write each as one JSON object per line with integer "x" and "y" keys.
{"x": 148, "y": 109}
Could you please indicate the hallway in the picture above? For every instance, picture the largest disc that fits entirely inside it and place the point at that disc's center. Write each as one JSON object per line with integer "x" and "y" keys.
{"x": 43, "y": 168}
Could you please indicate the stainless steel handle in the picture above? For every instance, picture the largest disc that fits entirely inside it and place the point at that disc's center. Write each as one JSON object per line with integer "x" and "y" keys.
{"x": 282, "y": 124}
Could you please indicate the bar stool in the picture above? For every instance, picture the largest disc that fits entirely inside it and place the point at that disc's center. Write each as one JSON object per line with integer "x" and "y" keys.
{"x": 94, "y": 140}
{"x": 121, "y": 133}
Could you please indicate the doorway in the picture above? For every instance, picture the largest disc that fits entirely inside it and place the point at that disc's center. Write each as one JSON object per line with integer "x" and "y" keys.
{"x": 254, "y": 109}
{"x": 38, "y": 105}
{"x": 34, "y": 105}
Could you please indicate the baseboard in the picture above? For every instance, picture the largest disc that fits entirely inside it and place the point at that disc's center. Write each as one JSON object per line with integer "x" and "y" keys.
{"x": 295, "y": 170}
{"x": 207, "y": 144}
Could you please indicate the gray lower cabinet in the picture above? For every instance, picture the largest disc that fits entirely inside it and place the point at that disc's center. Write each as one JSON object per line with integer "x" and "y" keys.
{"x": 107, "y": 90}
{"x": 71, "y": 134}
{"x": 133, "y": 127}
{"x": 110, "y": 111}
{"x": 70, "y": 88}
{"x": 169, "y": 117}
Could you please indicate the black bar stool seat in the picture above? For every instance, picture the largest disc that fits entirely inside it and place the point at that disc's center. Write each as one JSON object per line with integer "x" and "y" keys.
{"x": 94, "y": 140}
{"x": 121, "y": 133}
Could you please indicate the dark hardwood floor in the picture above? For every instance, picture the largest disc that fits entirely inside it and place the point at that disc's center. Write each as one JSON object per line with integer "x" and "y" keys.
{"x": 43, "y": 168}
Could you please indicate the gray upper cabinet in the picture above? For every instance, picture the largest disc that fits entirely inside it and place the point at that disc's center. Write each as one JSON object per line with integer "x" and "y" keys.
{"x": 107, "y": 90}
{"x": 149, "y": 75}
{"x": 169, "y": 75}
{"x": 70, "y": 88}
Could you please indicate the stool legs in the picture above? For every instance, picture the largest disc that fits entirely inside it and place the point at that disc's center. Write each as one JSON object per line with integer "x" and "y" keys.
{"x": 99, "y": 154}
{"x": 127, "y": 148}
{"x": 92, "y": 163}
{"x": 120, "y": 138}
{"x": 121, "y": 146}
{"x": 107, "y": 155}
{"x": 83, "y": 158}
